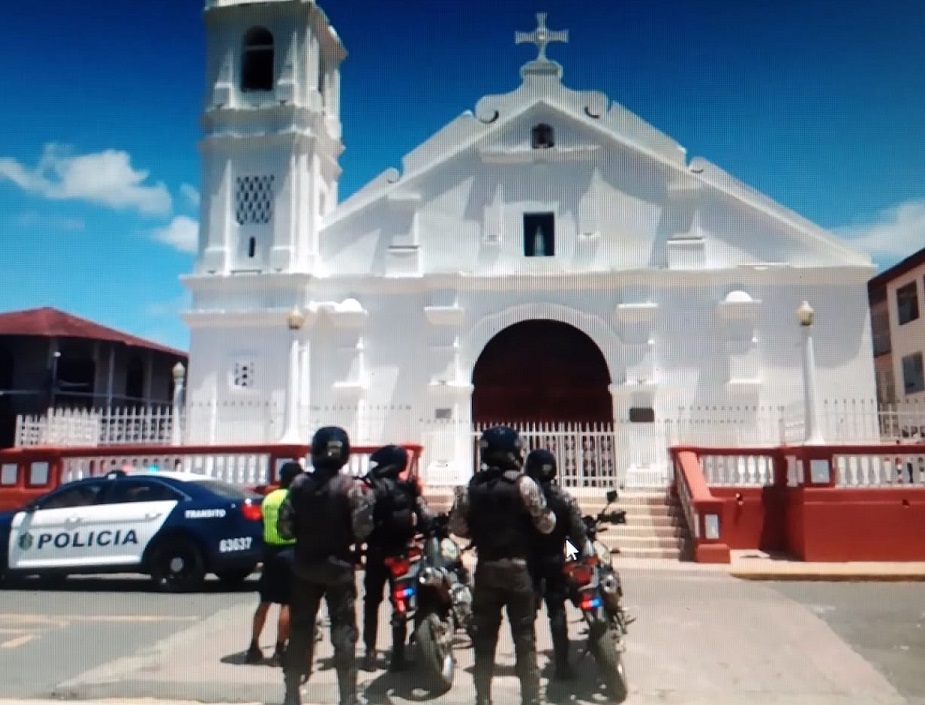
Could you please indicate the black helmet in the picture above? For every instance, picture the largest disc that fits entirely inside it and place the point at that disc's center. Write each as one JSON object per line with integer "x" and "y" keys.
{"x": 388, "y": 462}
{"x": 501, "y": 447}
{"x": 541, "y": 465}
{"x": 288, "y": 472}
{"x": 330, "y": 448}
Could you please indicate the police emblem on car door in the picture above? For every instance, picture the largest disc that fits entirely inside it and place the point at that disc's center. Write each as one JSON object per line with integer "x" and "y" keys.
{"x": 44, "y": 534}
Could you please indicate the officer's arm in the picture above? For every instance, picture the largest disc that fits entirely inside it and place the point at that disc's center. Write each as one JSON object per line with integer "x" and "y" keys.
{"x": 458, "y": 523}
{"x": 362, "y": 502}
{"x": 543, "y": 517}
{"x": 286, "y": 519}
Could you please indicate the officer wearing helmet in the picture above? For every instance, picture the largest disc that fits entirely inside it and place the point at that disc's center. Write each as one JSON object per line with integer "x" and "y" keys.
{"x": 548, "y": 555}
{"x": 400, "y": 512}
{"x": 501, "y": 511}
{"x": 327, "y": 513}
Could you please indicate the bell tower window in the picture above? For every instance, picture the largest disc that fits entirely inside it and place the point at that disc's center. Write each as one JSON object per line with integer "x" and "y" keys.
{"x": 542, "y": 137}
{"x": 257, "y": 60}
{"x": 539, "y": 234}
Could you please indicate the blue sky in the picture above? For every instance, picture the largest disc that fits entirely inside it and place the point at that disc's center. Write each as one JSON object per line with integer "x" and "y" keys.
{"x": 817, "y": 103}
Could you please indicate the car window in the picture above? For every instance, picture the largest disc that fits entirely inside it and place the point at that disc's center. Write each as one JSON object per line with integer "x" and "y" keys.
{"x": 226, "y": 490}
{"x": 82, "y": 495}
{"x": 126, "y": 491}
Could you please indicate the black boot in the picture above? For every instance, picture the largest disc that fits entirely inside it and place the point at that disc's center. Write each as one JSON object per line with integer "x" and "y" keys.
{"x": 293, "y": 696}
{"x": 368, "y": 663}
{"x": 254, "y": 654}
{"x": 397, "y": 662}
{"x": 347, "y": 687}
{"x": 278, "y": 655}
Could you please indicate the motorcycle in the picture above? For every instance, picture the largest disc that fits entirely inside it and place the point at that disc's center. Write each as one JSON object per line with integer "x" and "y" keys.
{"x": 430, "y": 587}
{"x": 596, "y": 590}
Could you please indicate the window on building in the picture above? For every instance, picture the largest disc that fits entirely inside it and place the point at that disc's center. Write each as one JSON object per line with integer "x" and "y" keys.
{"x": 254, "y": 200}
{"x": 539, "y": 234}
{"x": 542, "y": 136}
{"x": 135, "y": 379}
{"x": 242, "y": 375}
{"x": 880, "y": 329}
{"x": 257, "y": 60}
{"x": 907, "y": 303}
{"x": 913, "y": 373}
{"x": 640, "y": 414}
{"x": 251, "y": 247}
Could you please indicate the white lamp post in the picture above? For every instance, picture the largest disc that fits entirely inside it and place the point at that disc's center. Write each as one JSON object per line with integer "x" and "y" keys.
{"x": 294, "y": 321}
{"x": 812, "y": 426}
{"x": 179, "y": 377}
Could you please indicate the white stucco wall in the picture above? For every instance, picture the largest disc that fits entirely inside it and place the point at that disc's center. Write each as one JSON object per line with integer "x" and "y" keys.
{"x": 648, "y": 246}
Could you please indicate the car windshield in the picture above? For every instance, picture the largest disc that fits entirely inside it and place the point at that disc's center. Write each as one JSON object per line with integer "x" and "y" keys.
{"x": 227, "y": 490}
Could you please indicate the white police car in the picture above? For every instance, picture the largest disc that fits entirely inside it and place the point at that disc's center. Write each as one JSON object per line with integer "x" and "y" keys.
{"x": 175, "y": 527}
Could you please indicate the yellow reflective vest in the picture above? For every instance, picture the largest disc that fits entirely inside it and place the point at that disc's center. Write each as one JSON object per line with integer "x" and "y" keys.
{"x": 270, "y": 509}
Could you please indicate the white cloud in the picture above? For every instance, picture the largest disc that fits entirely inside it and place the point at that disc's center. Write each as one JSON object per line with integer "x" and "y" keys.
{"x": 105, "y": 178}
{"x": 31, "y": 219}
{"x": 894, "y": 234}
{"x": 181, "y": 233}
{"x": 191, "y": 194}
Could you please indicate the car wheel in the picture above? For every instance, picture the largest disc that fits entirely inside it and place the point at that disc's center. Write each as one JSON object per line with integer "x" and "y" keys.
{"x": 233, "y": 578}
{"x": 177, "y": 566}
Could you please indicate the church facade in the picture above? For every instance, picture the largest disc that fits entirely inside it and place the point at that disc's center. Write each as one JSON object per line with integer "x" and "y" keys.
{"x": 546, "y": 258}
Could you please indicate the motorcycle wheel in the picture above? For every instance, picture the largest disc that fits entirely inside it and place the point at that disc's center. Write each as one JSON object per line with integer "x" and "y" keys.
{"x": 610, "y": 665}
{"x": 436, "y": 655}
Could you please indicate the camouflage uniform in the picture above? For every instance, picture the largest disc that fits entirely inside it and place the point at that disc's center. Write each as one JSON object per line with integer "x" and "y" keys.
{"x": 325, "y": 515}
{"x": 500, "y": 511}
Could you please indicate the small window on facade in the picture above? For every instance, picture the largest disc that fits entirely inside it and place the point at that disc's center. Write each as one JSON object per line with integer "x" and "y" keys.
{"x": 542, "y": 137}
{"x": 640, "y": 414}
{"x": 251, "y": 246}
{"x": 254, "y": 200}
{"x": 913, "y": 374}
{"x": 257, "y": 61}
{"x": 539, "y": 234}
{"x": 38, "y": 474}
{"x": 907, "y": 303}
{"x": 242, "y": 375}
{"x": 9, "y": 474}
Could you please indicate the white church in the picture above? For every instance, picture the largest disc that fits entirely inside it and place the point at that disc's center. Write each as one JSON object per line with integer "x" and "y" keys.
{"x": 547, "y": 259}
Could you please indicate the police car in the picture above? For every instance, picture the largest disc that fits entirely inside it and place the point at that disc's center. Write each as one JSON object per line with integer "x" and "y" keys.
{"x": 175, "y": 527}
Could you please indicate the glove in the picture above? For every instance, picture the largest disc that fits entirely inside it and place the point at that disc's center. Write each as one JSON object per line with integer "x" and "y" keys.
{"x": 587, "y": 551}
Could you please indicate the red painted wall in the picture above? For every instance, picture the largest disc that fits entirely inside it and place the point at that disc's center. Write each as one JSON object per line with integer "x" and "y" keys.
{"x": 757, "y": 521}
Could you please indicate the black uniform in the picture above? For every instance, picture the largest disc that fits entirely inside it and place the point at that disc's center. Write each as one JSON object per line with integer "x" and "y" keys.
{"x": 326, "y": 513}
{"x": 500, "y": 511}
{"x": 548, "y": 555}
{"x": 400, "y": 512}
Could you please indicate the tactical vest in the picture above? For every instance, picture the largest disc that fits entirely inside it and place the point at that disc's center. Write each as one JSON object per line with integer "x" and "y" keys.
{"x": 270, "y": 508}
{"x": 553, "y": 544}
{"x": 393, "y": 514}
{"x": 499, "y": 523}
{"x": 323, "y": 517}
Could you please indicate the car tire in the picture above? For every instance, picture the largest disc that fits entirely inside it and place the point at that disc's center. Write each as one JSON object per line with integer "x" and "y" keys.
{"x": 177, "y": 566}
{"x": 233, "y": 578}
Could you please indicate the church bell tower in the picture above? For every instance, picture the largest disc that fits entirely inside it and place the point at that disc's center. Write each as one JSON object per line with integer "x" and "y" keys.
{"x": 272, "y": 135}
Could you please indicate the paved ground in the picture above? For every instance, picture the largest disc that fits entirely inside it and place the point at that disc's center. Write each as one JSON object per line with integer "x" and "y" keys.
{"x": 701, "y": 637}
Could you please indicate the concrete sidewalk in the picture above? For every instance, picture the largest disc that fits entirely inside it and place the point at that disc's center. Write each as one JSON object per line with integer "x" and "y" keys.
{"x": 701, "y": 638}
{"x": 758, "y": 565}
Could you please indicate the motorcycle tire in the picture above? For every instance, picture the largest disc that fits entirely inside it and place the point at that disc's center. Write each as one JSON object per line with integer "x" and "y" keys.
{"x": 610, "y": 665}
{"x": 436, "y": 659}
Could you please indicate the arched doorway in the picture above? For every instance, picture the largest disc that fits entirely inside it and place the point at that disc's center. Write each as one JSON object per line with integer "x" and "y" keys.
{"x": 541, "y": 371}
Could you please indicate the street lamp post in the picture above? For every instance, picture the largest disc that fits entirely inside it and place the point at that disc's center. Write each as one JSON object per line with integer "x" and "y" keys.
{"x": 294, "y": 321}
{"x": 179, "y": 378}
{"x": 812, "y": 426}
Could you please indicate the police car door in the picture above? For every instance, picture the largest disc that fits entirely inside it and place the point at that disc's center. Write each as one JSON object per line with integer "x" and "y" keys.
{"x": 42, "y": 536}
{"x": 131, "y": 511}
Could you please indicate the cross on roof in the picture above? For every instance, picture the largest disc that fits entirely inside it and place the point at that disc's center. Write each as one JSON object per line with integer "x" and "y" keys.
{"x": 541, "y": 36}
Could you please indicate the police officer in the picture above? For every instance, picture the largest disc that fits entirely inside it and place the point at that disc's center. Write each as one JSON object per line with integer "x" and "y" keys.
{"x": 500, "y": 511}
{"x": 327, "y": 513}
{"x": 400, "y": 512}
{"x": 548, "y": 557}
{"x": 276, "y": 576}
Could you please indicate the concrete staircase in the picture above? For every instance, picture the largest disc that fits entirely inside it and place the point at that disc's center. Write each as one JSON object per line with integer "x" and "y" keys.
{"x": 655, "y": 525}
